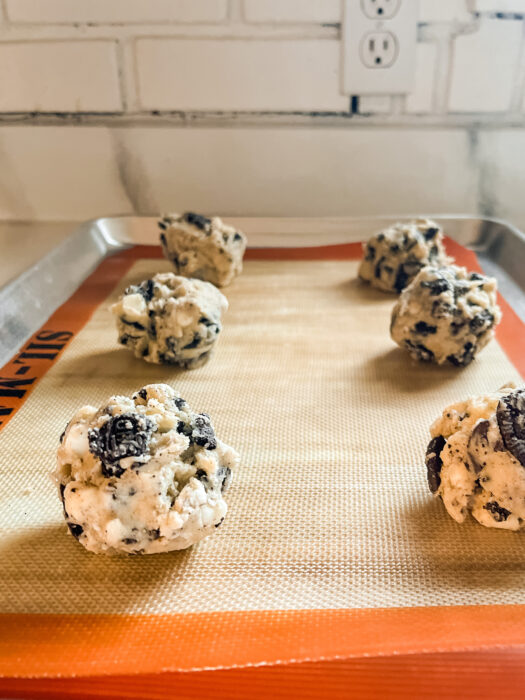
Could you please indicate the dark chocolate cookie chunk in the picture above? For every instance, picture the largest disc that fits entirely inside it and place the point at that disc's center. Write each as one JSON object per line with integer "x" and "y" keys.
{"x": 434, "y": 462}
{"x": 498, "y": 513}
{"x": 225, "y": 476}
{"x": 201, "y": 222}
{"x": 465, "y": 357}
{"x": 75, "y": 529}
{"x": 423, "y": 328}
{"x": 145, "y": 288}
{"x": 511, "y": 422}
{"x": 202, "y": 432}
{"x": 125, "y": 435}
{"x": 478, "y": 444}
{"x": 436, "y": 286}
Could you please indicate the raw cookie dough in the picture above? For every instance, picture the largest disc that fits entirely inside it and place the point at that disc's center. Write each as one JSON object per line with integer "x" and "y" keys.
{"x": 476, "y": 459}
{"x": 142, "y": 475}
{"x": 200, "y": 247}
{"x": 170, "y": 319}
{"x": 393, "y": 257}
{"x": 446, "y": 315}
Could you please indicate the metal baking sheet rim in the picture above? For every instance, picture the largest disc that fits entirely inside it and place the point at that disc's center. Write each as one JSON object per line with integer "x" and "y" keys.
{"x": 27, "y": 301}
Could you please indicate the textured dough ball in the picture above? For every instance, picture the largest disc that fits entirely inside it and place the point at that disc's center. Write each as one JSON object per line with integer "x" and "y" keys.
{"x": 142, "y": 475}
{"x": 200, "y": 247}
{"x": 446, "y": 315}
{"x": 170, "y": 320}
{"x": 393, "y": 257}
{"x": 476, "y": 459}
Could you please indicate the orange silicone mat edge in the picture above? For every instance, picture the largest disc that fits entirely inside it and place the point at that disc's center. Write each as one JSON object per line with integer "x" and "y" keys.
{"x": 86, "y": 645}
{"x": 468, "y": 675}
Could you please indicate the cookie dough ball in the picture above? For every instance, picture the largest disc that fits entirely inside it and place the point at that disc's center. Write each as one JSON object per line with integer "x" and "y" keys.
{"x": 202, "y": 247}
{"x": 142, "y": 475}
{"x": 446, "y": 315}
{"x": 170, "y": 320}
{"x": 393, "y": 257}
{"x": 476, "y": 459}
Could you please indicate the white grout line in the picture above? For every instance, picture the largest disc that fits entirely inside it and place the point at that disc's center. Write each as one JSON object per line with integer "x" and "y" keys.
{"x": 232, "y": 30}
{"x": 122, "y": 73}
{"x": 444, "y": 35}
{"x": 443, "y": 74}
{"x": 160, "y": 119}
{"x": 518, "y": 91}
{"x": 128, "y": 74}
{"x": 235, "y": 11}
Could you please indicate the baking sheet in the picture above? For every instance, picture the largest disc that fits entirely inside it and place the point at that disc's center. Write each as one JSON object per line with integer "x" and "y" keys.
{"x": 332, "y": 536}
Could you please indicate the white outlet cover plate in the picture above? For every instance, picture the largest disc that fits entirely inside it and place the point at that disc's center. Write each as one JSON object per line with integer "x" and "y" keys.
{"x": 394, "y": 79}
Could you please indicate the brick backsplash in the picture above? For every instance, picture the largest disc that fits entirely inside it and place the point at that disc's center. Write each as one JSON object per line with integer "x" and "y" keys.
{"x": 229, "y": 56}
{"x": 235, "y": 106}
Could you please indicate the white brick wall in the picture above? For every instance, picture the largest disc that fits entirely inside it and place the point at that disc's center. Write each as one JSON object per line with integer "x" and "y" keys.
{"x": 442, "y": 10}
{"x": 271, "y": 75}
{"x": 125, "y": 75}
{"x": 66, "y": 76}
{"x": 245, "y": 55}
{"x": 309, "y": 11}
{"x": 496, "y": 5}
{"x": 484, "y": 67}
{"x": 503, "y": 173}
{"x": 420, "y": 100}
{"x": 116, "y": 11}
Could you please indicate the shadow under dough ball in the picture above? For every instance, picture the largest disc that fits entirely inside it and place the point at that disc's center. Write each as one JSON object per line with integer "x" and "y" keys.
{"x": 446, "y": 315}
{"x": 142, "y": 475}
{"x": 476, "y": 459}
{"x": 201, "y": 247}
{"x": 170, "y": 320}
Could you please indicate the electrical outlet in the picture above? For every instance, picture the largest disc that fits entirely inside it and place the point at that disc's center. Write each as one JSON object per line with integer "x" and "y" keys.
{"x": 380, "y": 9}
{"x": 378, "y": 46}
{"x": 379, "y": 50}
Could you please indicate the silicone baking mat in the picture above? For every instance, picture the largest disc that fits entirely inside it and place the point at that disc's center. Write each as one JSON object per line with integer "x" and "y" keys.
{"x": 333, "y": 547}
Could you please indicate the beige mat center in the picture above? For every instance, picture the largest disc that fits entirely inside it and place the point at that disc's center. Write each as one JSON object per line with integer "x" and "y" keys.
{"x": 329, "y": 507}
